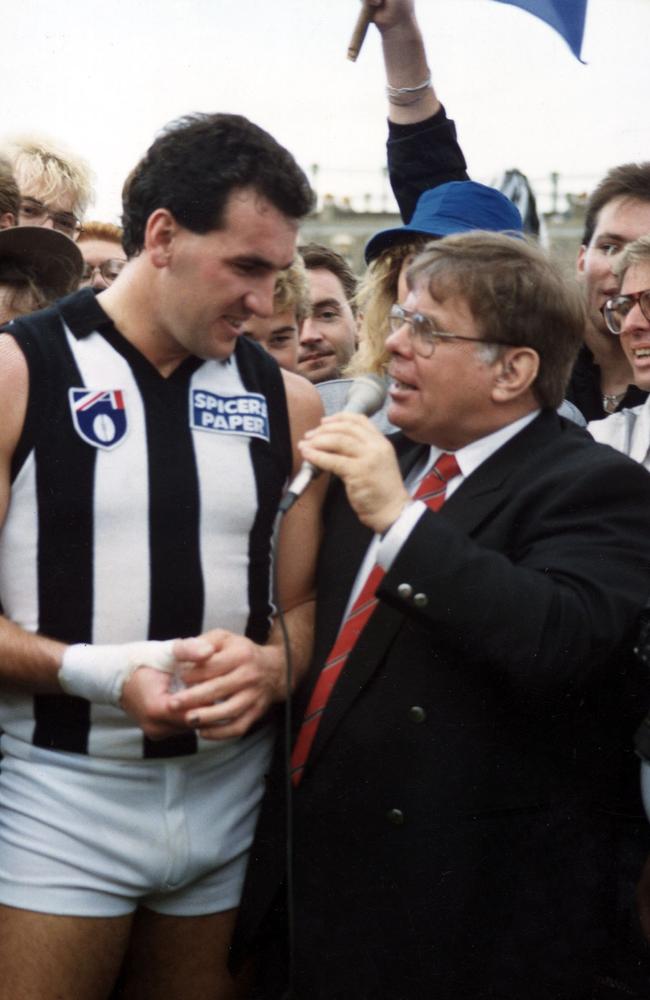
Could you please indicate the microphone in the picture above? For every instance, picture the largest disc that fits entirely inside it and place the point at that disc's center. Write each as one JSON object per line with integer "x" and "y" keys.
{"x": 366, "y": 395}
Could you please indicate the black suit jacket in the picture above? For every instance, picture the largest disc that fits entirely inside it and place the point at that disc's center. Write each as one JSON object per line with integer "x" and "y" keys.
{"x": 453, "y": 830}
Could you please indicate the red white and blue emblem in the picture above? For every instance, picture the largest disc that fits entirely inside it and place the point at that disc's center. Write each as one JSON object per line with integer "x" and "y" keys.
{"x": 99, "y": 416}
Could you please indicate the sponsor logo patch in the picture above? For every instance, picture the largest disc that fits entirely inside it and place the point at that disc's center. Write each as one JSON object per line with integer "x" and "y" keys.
{"x": 245, "y": 414}
{"x": 99, "y": 416}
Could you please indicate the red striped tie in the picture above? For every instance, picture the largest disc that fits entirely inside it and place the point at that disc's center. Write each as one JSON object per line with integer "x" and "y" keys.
{"x": 432, "y": 492}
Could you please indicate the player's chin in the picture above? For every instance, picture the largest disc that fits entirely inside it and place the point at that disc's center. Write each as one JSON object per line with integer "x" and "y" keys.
{"x": 217, "y": 350}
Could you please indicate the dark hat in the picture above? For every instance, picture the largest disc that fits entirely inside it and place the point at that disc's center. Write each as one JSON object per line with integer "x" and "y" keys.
{"x": 455, "y": 207}
{"x": 53, "y": 260}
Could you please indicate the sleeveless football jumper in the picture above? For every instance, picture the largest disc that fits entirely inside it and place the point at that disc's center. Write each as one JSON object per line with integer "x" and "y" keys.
{"x": 141, "y": 508}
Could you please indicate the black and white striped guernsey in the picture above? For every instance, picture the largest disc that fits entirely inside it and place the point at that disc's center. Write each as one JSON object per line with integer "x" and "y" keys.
{"x": 141, "y": 507}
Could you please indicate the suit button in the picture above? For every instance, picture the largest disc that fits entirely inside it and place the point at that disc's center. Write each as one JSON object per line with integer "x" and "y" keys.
{"x": 417, "y": 714}
{"x": 405, "y": 591}
{"x": 395, "y": 816}
{"x": 420, "y": 600}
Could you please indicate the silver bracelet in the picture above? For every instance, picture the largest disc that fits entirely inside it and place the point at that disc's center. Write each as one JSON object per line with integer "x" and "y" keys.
{"x": 400, "y": 91}
{"x": 405, "y": 101}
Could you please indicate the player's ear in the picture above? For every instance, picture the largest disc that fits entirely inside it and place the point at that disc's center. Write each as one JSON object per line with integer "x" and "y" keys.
{"x": 159, "y": 235}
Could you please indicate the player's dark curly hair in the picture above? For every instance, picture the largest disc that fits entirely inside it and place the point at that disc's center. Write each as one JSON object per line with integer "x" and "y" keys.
{"x": 195, "y": 163}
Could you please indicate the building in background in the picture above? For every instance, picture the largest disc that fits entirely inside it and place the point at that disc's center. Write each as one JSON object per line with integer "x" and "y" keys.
{"x": 346, "y": 224}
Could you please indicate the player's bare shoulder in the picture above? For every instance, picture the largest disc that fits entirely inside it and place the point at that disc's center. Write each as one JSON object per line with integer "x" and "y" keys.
{"x": 14, "y": 389}
{"x": 304, "y": 403}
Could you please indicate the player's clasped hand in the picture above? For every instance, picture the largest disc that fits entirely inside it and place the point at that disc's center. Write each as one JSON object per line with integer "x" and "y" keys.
{"x": 231, "y": 687}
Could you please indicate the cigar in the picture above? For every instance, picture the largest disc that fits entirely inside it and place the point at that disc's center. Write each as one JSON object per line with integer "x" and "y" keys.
{"x": 359, "y": 33}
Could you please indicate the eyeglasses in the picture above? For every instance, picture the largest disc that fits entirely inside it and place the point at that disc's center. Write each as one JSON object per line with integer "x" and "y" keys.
{"x": 35, "y": 213}
{"x": 424, "y": 336}
{"x": 109, "y": 270}
{"x": 615, "y": 310}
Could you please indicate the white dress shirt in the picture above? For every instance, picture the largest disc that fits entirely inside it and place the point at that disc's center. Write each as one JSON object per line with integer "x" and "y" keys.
{"x": 627, "y": 431}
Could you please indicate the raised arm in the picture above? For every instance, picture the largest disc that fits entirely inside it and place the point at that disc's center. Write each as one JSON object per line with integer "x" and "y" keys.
{"x": 411, "y": 96}
{"x": 422, "y": 150}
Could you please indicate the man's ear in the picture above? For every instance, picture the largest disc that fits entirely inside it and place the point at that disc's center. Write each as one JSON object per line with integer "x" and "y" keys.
{"x": 580, "y": 261}
{"x": 515, "y": 372}
{"x": 159, "y": 234}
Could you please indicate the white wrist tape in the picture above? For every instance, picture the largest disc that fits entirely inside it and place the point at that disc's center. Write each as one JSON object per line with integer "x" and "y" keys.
{"x": 99, "y": 673}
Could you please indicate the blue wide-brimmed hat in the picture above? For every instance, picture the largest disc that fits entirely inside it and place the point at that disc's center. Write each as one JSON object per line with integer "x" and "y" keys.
{"x": 456, "y": 207}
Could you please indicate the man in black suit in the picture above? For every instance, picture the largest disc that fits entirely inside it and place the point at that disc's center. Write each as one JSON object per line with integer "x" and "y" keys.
{"x": 453, "y": 801}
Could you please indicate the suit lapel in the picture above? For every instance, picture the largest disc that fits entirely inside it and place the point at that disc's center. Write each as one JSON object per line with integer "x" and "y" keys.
{"x": 490, "y": 486}
{"x": 344, "y": 548}
{"x": 474, "y": 502}
{"x": 380, "y": 628}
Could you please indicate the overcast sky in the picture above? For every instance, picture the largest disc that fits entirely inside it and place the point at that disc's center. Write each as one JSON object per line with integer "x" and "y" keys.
{"x": 103, "y": 77}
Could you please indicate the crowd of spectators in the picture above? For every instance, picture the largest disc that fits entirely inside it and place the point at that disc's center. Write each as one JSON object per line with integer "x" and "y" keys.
{"x": 539, "y": 581}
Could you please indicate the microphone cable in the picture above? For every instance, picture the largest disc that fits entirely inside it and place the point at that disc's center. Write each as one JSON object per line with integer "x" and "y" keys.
{"x": 366, "y": 395}
{"x": 287, "y": 734}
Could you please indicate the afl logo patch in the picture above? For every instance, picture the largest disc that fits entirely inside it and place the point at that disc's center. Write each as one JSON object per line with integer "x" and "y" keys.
{"x": 99, "y": 416}
{"x": 243, "y": 414}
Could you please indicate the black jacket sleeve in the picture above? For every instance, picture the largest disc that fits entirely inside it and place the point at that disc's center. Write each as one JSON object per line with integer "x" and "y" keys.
{"x": 422, "y": 156}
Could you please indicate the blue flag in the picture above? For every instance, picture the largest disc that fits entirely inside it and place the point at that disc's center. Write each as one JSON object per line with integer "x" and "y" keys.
{"x": 566, "y": 16}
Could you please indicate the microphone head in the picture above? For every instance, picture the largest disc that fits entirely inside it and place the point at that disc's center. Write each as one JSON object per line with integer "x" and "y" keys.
{"x": 366, "y": 395}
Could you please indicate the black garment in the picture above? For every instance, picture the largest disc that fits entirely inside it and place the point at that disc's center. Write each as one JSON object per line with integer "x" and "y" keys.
{"x": 584, "y": 389}
{"x": 454, "y": 830}
{"x": 422, "y": 156}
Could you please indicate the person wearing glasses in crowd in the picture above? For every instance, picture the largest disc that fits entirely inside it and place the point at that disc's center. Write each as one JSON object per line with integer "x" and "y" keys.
{"x": 449, "y": 759}
{"x": 617, "y": 213}
{"x": 627, "y": 316}
{"x": 37, "y": 264}
{"x": 55, "y": 184}
{"x": 101, "y": 247}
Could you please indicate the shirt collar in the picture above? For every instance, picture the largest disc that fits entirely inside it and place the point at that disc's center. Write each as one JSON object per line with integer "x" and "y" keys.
{"x": 474, "y": 454}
